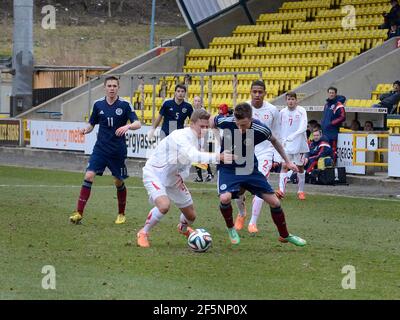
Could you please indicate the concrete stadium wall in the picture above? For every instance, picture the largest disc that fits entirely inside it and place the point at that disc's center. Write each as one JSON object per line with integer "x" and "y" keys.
{"x": 356, "y": 78}
{"x": 151, "y": 61}
{"x": 74, "y": 104}
{"x": 77, "y": 108}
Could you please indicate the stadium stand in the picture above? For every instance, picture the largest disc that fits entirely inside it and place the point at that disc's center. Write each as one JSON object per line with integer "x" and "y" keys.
{"x": 366, "y": 103}
{"x": 303, "y": 40}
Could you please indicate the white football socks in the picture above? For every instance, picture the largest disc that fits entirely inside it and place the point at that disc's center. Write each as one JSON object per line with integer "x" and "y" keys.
{"x": 184, "y": 222}
{"x": 302, "y": 181}
{"x": 153, "y": 218}
{"x": 256, "y": 209}
{"x": 282, "y": 181}
{"x": 240, "y": 202}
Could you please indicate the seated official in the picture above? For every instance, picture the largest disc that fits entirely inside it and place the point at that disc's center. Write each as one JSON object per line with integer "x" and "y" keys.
{"x": 319, "y": 148}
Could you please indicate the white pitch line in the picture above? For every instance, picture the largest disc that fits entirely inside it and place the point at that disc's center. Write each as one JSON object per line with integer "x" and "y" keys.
{"x": 194, "y": 189}
{"x": 78, "y": 186}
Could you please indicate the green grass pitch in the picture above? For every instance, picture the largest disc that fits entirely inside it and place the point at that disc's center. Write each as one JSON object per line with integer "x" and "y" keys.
{"x": 100, "y": 260}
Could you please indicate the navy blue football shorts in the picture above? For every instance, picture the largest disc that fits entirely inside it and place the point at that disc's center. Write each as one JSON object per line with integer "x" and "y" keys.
{"x": 255, "y": 183}
{"x": 98, "y": 163}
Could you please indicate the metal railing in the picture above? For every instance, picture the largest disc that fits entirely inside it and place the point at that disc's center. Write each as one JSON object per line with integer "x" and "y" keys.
{"x": 373, "y": 140}
{"x": 156, "y": 78}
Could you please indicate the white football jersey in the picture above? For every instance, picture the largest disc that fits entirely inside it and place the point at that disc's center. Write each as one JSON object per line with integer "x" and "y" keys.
{"x": 293, "y": 125}
{"x": 268, "y": 114}
{"x": 175, "y": 154}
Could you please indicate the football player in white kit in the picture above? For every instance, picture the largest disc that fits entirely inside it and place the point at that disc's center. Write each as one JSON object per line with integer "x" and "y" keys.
{"x": 166, "y": 168}
{"x": 293, "y": 125}
{"x": 268, "y": 114}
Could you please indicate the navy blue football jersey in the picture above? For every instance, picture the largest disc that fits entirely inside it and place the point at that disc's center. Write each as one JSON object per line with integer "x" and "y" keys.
{"x": 174, "y": 115}
{"x": 110, "y": 118}
{"x": 242, "y": 145}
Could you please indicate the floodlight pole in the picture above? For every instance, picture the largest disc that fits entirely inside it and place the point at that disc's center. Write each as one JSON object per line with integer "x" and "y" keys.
{"x": 153, "y": 13}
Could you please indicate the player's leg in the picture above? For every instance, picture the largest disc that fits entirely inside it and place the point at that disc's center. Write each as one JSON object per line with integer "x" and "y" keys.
{"x": 186, "y": 219}
{"x": 225, "y": 207}
{"x": 210, "y": 175}
{"x": 228, "y": 184}
{"x": 199, "y": 177}
{"x": 264, "y": 166}
{"x": 156, "y": 214}
{"x": 302, "y": 181}
{"x": 180, "y": 195}
{"x": 282, "y": 181}
{"x": 84, "y": 195}
{"x": 157, "y": 196}
{"x": 278, "y": 216}
{"x": 96, "y": 165}
{"x": 241, "y": 204}
{"x": 121, "y": 196}
{"x": 120, "y": 173}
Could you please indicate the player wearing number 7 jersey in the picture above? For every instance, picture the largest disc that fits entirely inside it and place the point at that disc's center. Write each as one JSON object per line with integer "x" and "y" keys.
{"x": 293, "y": 125}
{"x": 111, "y": 113}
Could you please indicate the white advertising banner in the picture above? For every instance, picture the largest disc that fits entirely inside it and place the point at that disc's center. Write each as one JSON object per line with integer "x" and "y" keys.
{"x": 139, "y": 146}
{"x": 345, "y": 153}
{"x": 57, "y": 135}
{"x": 394, "y": 156}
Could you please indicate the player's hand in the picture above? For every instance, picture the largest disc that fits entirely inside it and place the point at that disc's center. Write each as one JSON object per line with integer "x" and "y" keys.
{"x": 150, "y": 134}
{"x": 84, "y": 131}
{"x": 305, "y": 161}
{"x": 227, "y": 157}
{"x": 122, "y": 130}
{"x": 292, "y": 166}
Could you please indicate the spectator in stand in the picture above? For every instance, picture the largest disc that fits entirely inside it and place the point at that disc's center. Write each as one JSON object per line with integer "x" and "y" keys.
{"x": 319, "y": 148}
{"x": 390, "y": 99}
{"x": 355, "y": 125}
{"x": 393, "y": 17}
{"x": 333, "y": 117}
{"x": 394, "y": 31}
{"x": 368, "y": 126}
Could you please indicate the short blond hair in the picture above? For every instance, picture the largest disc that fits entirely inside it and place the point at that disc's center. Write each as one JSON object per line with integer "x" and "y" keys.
{"x": 199, "y": 114}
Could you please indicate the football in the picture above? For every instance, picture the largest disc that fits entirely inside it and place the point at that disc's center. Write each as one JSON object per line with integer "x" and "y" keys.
{"x": 199, "y": 240}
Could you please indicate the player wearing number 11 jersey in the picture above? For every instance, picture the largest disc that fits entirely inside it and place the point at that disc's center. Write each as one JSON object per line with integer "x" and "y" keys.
{"x": 111, "y": 113}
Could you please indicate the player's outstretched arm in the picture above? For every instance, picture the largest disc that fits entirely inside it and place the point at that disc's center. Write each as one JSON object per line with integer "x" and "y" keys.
{"x": 278, "y": 147}
{"x": 130, "y": 126}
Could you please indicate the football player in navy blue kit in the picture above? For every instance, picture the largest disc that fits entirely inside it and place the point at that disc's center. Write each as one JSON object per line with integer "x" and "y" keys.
{"x": 112, "y": 114}
{"x": 173, "y": 112}
{"x": 240, "y": 135}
